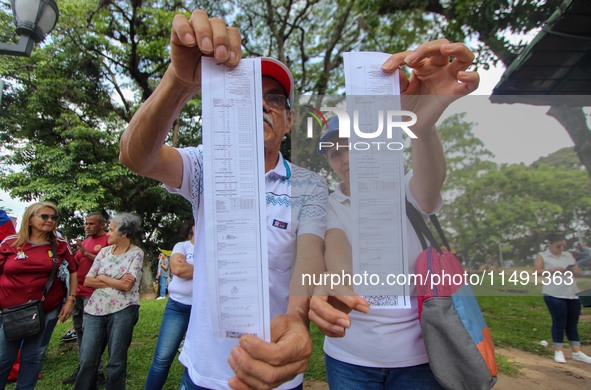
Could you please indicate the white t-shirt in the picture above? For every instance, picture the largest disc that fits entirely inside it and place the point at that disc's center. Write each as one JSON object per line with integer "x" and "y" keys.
{"x": 383, "y": 337}
{"x": 296, "y": 204}
{"x": 560, "y": 286}
{"x": 181, "y": 289}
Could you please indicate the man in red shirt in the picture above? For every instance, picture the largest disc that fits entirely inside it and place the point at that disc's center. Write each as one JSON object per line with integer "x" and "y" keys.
{"x": 87, "y": 251}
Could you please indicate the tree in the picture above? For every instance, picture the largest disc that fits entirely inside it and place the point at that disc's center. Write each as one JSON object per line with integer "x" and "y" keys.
{"x": 516, "y": 206}
{"x": 65, "y": 108}
{"x": 491, "y": 22}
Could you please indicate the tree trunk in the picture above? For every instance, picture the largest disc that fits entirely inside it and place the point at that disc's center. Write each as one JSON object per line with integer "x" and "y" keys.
{"x": 574, "y": 122}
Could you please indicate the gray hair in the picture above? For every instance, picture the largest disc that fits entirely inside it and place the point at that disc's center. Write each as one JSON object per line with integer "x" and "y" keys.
{"x": 129, "y": 224}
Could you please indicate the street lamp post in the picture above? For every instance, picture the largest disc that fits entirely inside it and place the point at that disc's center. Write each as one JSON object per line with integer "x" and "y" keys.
{"x": 34, "y": 20}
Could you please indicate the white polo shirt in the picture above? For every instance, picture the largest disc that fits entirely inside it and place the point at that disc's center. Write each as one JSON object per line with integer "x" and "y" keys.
{"x": 296, "y": 204}
{"x": 383, "y": 337}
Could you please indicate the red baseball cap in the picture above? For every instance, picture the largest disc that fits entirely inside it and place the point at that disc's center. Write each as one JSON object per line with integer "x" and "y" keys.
{"x": 277, "y": 70}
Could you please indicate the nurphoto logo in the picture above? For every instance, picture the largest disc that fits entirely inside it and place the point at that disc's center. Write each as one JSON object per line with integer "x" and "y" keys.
{"x": 387, "y": 121}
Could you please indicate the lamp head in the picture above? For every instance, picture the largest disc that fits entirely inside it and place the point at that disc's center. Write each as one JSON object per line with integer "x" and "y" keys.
{"x": 35, "y": 18}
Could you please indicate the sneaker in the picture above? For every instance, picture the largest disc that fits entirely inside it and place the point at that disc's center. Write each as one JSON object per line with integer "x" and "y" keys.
{"x": 581, "y": 357}
{"x": 559, "y": 357}
{"x": 71, "y": 379}
{"x": 69, "y": 336}
{"x": 159, "y": 298}
{"x": 100, "y": 379}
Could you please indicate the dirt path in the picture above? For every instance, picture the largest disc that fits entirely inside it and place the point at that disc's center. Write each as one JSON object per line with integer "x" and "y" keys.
{"x": 541, "y": 373}
{"x": 536, "y": 372}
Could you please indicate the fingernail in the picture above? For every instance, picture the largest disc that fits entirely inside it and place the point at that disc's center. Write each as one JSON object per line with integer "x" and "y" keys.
{"x": 236, "y": 354}
{"x": 206, "y": 45}
{"x": 243, "y": 343}
{"x": 221, "y": 53}
{"x": 189, "y": 38}
{"x": 388, "y": 64}
{"x": 344, "y": 323}
{"x": 337, "y": 329}
{"x": 362, "y": 308}
{"x": 411, "y": 57}
{"x": 232, "y": 56}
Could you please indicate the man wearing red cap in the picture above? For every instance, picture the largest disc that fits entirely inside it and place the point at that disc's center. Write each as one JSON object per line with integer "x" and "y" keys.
{"x": 292, "y": 242}
{"x": 212, "y": 362}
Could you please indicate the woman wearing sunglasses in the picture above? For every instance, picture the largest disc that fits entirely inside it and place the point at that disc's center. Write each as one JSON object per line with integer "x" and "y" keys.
{"x": 26, "y": 262}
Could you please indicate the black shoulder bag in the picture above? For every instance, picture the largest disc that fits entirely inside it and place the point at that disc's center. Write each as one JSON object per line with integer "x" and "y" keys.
{"x": 28, "y": 319}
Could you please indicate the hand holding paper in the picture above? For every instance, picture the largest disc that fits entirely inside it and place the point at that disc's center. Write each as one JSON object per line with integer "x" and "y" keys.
{"x": 262, "y": 365}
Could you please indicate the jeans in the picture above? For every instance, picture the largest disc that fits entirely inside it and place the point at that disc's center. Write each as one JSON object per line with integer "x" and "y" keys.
{"x": 172, "y": 330}
{"x": 565, "y": 317}
{"x": 162, "y": 284}
{"x": 32, "y": 354}
{"x": 345, "y": 376}
{"x": 78, "y": 322}
{"x": 114, "y": 330}
{"x": 187, "y": 383}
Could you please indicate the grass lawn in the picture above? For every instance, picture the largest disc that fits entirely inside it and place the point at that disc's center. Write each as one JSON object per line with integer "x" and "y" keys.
{"x": 518, "y": 321}
{"x": 62, "y": 359}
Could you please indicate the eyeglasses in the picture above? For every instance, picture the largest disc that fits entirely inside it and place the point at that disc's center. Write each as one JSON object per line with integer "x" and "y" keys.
{"x": 277, "y": 101}
{"x": 45, "y": 217}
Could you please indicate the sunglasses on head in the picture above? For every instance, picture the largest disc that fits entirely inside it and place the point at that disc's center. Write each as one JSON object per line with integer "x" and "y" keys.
{"x": 45, "y": 217}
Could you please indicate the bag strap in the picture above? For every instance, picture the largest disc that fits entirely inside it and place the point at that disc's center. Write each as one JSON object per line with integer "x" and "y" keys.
{"x": 411, "y": 214}
{"x": 435, "y": 222}
{"x": 53, "y": 270}
{"x": 422, "y": 230}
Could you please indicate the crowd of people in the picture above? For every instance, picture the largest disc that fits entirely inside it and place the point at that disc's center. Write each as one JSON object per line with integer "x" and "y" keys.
{"x": 102, "y": 292}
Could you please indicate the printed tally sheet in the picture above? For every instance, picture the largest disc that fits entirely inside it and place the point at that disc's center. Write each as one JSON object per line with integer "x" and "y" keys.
{"x": 377, "y": 179}
{"x": 235, "y": 212}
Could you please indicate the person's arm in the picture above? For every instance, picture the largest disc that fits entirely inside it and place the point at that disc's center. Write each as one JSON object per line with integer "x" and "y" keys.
{"x": 539, "y": 265}
{"x": 262, "y": 365}
{"x": 165, "y": 264}
{"x": 142, "y": 147}
{"x": 435, "y": 83}
{"x": 68, "y": 306}
{"x": 179, "y": 266}
{"x": 125, "y": 283}
{"x": 91, "y": 279}
{"x": 94, "y": 282}
{"x": 331, "y": 303}
{"x": 84, "y": 252}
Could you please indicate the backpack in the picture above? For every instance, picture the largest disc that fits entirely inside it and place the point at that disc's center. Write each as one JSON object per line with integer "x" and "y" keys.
{"x": 457, "y": 340}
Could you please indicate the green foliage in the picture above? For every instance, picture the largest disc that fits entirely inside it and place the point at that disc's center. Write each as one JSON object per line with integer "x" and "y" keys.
{"x": 65, "y": 109}
{"x": 489, "y": 23}
{"x": 517, "y": 206}
{"x": 564, "y": 158}
{"x": 510, "y": 208}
